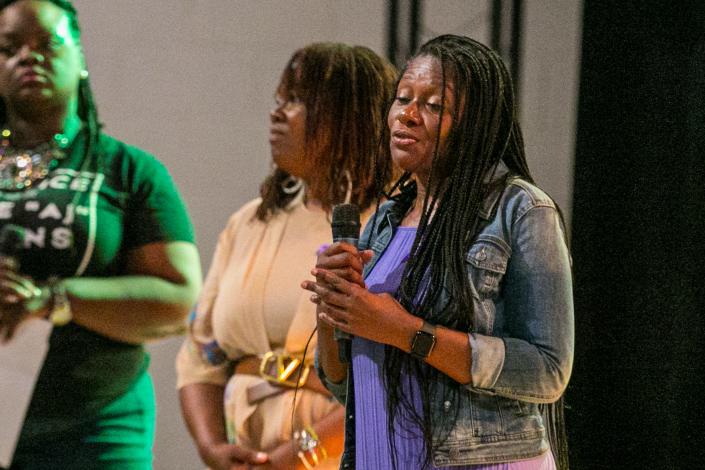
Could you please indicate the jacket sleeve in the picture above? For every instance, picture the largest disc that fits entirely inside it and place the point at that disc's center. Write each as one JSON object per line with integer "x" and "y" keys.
{"x": 532, "y": 361}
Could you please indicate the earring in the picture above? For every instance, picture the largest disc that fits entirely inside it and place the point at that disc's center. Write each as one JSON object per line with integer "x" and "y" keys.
{"x": 349, "y": 188}
{"x": 291, "y": 184}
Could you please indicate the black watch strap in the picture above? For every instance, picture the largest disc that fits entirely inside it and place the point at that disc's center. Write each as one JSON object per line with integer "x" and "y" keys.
{"x": 423, "y": 341}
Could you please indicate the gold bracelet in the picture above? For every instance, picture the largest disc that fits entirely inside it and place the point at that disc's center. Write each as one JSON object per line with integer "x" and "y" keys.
{"x": 60, "y": 313}
{"x": 310, "y": 451}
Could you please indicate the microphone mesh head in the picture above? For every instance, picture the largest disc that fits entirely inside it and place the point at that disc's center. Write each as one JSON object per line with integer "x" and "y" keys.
{"x": 345, "y": 221}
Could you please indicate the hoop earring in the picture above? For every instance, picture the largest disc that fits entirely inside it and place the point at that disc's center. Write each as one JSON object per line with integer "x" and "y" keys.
{"x": 349, "y": 188}
{"x": 291, "y": 184}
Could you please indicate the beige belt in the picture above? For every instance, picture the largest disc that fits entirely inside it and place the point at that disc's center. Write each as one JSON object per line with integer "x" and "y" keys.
{"x": 280, "y": 372}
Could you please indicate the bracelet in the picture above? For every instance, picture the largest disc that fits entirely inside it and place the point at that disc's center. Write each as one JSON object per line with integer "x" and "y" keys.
{"x": 60, "y": 311}
{"x": 310, "y": 451}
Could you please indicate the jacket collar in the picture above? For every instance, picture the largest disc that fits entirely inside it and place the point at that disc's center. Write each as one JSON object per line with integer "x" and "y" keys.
{"x": 496, "y": 182}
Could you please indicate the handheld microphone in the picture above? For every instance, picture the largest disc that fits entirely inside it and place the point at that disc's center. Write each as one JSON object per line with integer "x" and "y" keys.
{"x": 11, "y": 239}
{"x": 345, "y": 224}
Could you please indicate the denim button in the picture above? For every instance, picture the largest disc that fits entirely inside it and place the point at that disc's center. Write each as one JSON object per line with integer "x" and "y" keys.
{"x": 446, "y": 406}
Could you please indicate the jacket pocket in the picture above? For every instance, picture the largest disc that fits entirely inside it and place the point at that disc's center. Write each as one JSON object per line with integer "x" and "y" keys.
{"x": 488, "y": 264}
{"x": 497, "y": 417}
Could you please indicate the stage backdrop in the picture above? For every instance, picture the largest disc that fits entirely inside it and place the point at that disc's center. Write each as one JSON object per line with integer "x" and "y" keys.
{"x": 192, "y": 81}
{"x": 638, "y": 222}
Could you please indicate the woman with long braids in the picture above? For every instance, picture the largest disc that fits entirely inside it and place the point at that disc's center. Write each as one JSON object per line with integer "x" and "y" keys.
{"x": 104, "y": 250}
{"x": 248, "y": 348}
{"x": 463, "y": 326}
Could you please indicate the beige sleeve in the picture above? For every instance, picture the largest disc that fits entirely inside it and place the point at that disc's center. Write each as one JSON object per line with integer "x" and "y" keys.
{"x": 200, "y": 358}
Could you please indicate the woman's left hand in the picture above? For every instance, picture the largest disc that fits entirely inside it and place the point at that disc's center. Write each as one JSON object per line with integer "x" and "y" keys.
{"x": 355, "y": 310}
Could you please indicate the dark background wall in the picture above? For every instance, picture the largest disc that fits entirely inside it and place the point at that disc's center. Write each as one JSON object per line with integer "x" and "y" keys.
{"x": 638, "y": 222}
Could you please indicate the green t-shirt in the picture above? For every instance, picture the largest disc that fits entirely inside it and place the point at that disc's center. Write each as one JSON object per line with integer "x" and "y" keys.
{"x": 81, "y": 220}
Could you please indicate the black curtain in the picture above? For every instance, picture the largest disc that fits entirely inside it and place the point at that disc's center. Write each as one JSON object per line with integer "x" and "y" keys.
{"x": 638, "y": 229}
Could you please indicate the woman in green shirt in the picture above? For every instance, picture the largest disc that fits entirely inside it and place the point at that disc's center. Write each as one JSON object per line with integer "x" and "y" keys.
{"x": 107, "y": 252}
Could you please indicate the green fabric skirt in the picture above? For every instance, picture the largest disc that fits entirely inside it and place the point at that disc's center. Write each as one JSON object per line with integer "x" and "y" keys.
{"x": 119, "y": 438}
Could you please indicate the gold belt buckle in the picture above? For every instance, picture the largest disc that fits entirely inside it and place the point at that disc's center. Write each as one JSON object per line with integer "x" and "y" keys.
{"x": 282, "y": 369}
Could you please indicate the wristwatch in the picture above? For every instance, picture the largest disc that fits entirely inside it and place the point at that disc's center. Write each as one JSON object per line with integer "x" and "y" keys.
{"x": 60, "y": 312}
{"x": 423, "y": 341}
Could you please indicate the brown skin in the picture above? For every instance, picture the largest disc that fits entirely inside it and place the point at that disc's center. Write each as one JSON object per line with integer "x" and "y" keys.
{"x": 287, "y": 136}
{"x": 343, "y": 300}
{"x": 40, "y": 66}
{"x": 414, "y": 116}
{"x": 202, "y": 407}
{"x": 202, "y": 404}
{"x": 162, "y": 284}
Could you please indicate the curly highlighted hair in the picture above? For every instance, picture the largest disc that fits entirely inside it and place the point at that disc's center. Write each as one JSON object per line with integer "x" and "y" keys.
{"x": 346, "y": 90}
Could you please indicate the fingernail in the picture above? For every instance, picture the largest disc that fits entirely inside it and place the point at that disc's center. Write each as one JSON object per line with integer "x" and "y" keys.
{"x": 261, "y": 456}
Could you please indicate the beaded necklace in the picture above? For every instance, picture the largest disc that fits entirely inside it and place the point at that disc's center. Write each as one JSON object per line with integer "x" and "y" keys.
{"x": 20, "y": 168}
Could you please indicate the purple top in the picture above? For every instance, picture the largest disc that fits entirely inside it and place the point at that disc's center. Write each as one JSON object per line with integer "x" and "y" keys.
{"x": 371, "y": 437}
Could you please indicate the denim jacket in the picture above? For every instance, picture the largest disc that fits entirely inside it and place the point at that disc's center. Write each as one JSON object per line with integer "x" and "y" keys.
{"x": 522, "y": 328}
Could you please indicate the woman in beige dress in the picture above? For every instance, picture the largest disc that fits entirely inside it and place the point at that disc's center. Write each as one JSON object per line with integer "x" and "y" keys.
{"x": 239, "y": 366}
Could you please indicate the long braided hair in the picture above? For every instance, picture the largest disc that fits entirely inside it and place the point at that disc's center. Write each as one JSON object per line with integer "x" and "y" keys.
{"x": 484, "y": 131}
{"x": 345, "y": 90}
{"x": 87, "y": 110}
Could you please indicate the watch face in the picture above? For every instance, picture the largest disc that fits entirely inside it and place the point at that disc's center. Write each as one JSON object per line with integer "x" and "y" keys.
{"x": 423, "y": 344}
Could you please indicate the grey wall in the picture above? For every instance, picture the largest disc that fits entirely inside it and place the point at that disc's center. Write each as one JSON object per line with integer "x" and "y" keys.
{"x": 548, "y": 93}
{"x": 192, "y": 81}
{"x": 550, "y": 46}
